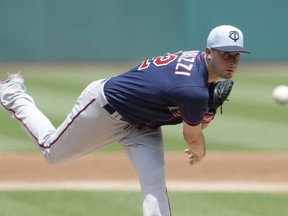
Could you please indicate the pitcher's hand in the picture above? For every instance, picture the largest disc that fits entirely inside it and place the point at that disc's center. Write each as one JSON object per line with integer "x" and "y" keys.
{"x": 193, "y": 158}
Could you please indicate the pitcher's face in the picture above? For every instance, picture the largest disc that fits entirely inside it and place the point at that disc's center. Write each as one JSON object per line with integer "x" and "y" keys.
{"x": 222, "y": 64}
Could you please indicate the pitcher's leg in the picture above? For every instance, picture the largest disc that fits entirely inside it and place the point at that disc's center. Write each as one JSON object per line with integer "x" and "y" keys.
{"x": 145, "y": 150}
{"x": 86, "y": 128}
{"x": 22, "y": 107}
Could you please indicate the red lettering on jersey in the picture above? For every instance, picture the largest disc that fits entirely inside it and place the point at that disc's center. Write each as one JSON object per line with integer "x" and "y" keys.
{"x": 159, "y": 61}
{"x": 144, "y": 64}
{"x": 164, "y": 60}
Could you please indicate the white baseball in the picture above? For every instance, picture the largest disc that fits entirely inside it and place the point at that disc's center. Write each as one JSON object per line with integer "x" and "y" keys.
{"x": 280, "y": 94}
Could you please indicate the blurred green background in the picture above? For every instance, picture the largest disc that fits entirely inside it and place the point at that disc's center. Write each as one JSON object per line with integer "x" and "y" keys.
{"x": 91, "y": 203}
{"x": 134, "y": 29}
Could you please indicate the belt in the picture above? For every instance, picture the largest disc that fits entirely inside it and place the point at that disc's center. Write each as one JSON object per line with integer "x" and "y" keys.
{"x": 109, "y": 109}
{"x": 113, "y": 112}
{"x": 104, "y": 103}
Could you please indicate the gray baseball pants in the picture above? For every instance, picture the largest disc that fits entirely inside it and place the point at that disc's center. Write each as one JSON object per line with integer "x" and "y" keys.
{"x": 89, "y": 127}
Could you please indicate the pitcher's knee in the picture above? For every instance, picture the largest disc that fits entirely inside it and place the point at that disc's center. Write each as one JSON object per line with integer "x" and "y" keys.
{"x": 51, "y": 159}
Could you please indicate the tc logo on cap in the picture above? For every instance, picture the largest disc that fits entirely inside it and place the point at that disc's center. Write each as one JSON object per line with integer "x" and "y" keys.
{"x": 234, "y": 35}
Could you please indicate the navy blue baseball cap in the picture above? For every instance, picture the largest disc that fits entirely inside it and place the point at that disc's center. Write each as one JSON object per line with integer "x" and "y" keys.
{"x": 226, "y": 38}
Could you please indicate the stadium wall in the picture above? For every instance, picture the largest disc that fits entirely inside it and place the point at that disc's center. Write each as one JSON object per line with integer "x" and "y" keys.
{"x": 56, "y": 30}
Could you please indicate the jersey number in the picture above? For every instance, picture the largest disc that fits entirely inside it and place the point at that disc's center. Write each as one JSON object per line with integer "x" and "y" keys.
{"x": 159, "y": 61}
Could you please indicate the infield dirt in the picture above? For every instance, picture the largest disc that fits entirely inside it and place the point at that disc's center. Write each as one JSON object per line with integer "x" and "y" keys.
{"x": 228, "y": 167}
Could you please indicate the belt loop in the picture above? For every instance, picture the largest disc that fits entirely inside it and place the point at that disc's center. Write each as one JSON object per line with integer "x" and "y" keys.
{"x": 116, "y": 116}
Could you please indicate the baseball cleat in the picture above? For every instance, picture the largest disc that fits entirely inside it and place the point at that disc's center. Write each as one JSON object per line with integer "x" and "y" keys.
{"x": 10, "y": 79}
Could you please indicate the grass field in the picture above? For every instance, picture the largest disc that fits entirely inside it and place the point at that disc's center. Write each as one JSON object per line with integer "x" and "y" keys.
{"x": 252, "y": 121}
{"x": 71, "y": 203}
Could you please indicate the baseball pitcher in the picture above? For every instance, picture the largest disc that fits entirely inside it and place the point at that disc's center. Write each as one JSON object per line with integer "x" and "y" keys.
{"x": 185, "y": 87}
